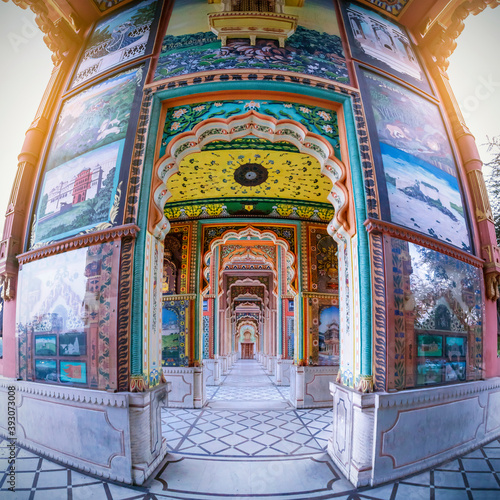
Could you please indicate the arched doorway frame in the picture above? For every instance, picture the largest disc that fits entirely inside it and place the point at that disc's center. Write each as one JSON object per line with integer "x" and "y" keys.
{"x": 342, "y": 228}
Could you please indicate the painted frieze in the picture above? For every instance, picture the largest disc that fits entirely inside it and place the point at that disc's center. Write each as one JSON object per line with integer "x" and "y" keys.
{"x": 65, "y": 318}
{"x": 318, "y": 120}
{"x": 104, "y": 5}
{"x": 382, "y": 43}
{"x": 436, "y": 317}
{"x": 314, "y": 49}
{"x": 119, "y": 38}
{"x": 417, "y": 163}
{"x": 82, "y": 183}
{"x": 393, "y": 7}
{"x": 255, "y": 207}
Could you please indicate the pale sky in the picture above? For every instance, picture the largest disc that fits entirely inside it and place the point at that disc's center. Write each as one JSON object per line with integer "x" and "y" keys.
{"x": 474, "y": 73}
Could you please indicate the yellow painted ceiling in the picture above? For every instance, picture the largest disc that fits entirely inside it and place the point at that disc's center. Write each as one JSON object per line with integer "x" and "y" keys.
{"x": 210, "y": 174}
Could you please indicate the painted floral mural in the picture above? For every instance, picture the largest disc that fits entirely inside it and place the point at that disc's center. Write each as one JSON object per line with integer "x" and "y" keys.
{"x": 307, "y": 51}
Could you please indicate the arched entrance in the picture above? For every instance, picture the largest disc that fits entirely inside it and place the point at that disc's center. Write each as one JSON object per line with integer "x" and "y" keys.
{"x": 286, "y": 273}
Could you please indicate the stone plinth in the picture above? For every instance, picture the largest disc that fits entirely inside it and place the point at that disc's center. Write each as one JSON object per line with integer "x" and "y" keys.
{"x": 116, "y": 436}
{"x": 380, "y": 437}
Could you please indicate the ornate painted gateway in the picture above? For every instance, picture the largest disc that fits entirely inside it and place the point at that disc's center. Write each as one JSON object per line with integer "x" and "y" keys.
{"x": 287, "y": 180}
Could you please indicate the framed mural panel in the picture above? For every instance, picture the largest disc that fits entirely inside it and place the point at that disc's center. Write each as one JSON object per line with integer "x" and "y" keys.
{"x": 436, "y": 317}
{"x": 382, "y": 43}
{"x": 315, "y": 48}
{"x": 328, "y": 329}
{"x": 174, "y": 331}
{"x": 416, "y": 165}
{"x": 74, "y": 372}
{"x": 46, "y": 370}
{"x": 65, "y": 311}
{"x": 429, "y": 345}
{"x": 73, "y": 344}
{"x": 430, "y": 373}
{"x": 323, "y": 324}
{"x": 45, "y": 345}
{"x": 455, "y": 372}
{"x": 456, "y": 347}
{"x": 82, "y": 184}
{"x": 117, "y": 39}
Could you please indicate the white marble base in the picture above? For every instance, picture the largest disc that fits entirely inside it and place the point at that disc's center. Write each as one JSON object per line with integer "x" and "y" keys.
{"x": 309, "y": 385}
{"x": 187, "y": 389}
{"x": 116, "y": 436}
{"x": 379, "y": 437}
{"x": 182, "y": 380}
{"x": 286, "y": 364}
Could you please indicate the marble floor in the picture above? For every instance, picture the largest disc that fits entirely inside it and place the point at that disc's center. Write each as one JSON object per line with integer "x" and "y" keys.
{"x": 226, "y": 452}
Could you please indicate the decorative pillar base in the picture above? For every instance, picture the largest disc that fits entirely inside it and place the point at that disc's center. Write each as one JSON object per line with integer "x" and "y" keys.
{"x": 310, "y": 385}
{"x": 372, "y": 442}
{"x": 116, "y": 436}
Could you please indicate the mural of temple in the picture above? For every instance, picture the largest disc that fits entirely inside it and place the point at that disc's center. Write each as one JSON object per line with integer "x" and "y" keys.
{"x": 288, "y": 182}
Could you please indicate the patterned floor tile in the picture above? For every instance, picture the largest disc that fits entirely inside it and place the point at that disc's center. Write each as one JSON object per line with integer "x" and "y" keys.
{"x": 244, "y": 453}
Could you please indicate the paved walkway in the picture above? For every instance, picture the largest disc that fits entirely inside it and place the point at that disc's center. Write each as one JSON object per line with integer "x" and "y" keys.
{"x": 251, "y": 451}
{"x": 247, "y": 386}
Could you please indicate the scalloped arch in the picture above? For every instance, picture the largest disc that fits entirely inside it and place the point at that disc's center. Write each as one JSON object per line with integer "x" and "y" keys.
{"x": 264, "y": 127}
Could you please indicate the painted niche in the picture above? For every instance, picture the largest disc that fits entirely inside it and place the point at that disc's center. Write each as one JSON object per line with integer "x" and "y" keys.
{"x": 65, "y": 318}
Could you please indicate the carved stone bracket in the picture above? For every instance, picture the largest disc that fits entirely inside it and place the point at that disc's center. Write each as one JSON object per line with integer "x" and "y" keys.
{"x": 8, "y": 289}
{"x": 442, "y": 40}
{"x": 491, "y": 254}
{"x": 59, "y": 36}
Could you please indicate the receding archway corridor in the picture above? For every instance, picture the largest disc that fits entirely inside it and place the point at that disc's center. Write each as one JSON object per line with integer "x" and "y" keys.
{"x": 247, "y": 386}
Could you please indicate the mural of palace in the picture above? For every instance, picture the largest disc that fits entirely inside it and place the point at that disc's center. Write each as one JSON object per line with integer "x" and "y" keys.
{"x": 288, "y": 182}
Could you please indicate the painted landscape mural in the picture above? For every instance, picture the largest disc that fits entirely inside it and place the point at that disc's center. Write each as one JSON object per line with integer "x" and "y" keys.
{"x": 82, "y": 169}
{"x": 315, "y": 48}
{"x": 119, "y": 38}
{"x": 424, "y": 198}
{"x": 419, "y": 167}
{"x": 382, "y": 43}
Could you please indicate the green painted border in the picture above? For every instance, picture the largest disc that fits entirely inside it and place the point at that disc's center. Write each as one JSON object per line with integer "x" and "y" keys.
{"x": 358, "y": 194}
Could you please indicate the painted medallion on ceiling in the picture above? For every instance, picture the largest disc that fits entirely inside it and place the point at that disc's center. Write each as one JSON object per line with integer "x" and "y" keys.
{"x": 248, "y": 174}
